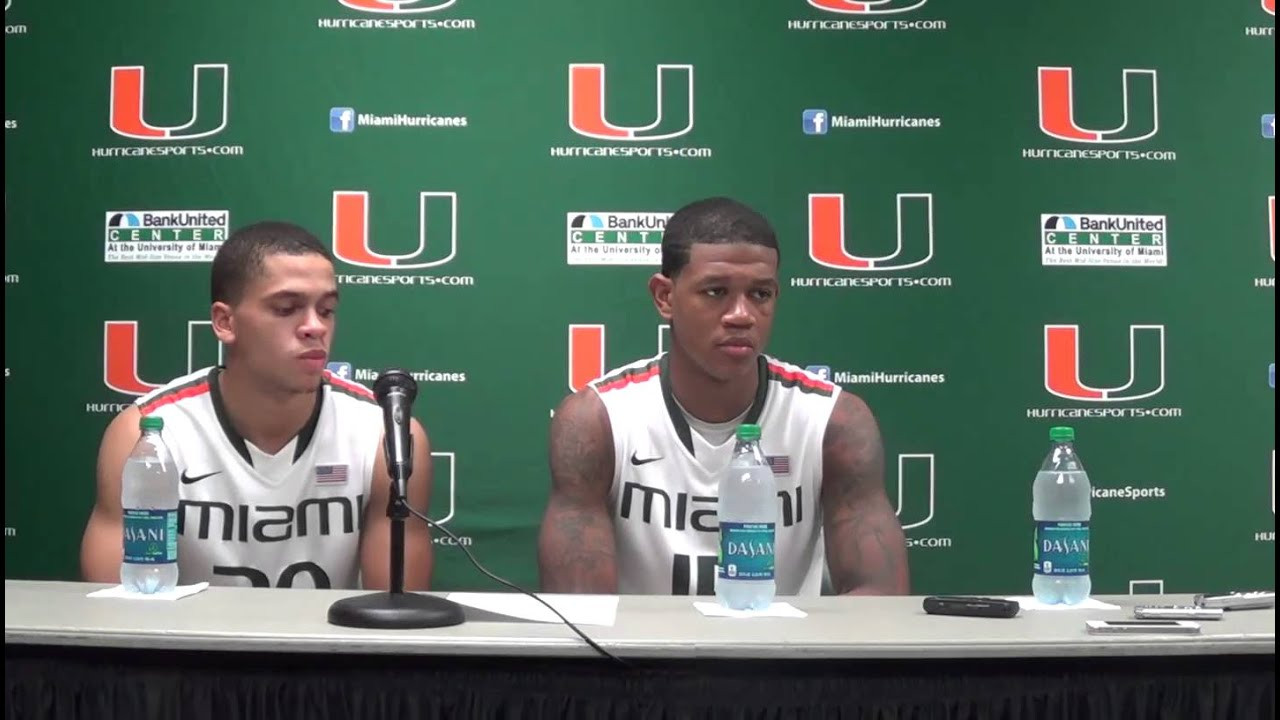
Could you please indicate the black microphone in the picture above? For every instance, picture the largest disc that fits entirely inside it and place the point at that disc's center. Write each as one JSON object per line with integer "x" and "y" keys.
{"x": 395, "y": 391}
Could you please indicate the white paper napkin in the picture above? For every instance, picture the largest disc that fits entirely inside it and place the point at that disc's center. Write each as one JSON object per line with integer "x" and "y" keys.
{"x": 777, "y": 609}
{"x": 175, "y": 594}
{"x": 1029, "y": 602}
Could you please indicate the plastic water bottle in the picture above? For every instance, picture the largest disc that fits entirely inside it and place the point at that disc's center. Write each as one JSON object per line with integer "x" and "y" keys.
{"x": 149, "y": 497}
{"x": 748, "y": 514}
{"x": 1061, "y": 507}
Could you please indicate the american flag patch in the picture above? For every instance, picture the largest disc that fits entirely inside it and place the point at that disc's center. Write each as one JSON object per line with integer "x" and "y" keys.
{"x": 780, "y": 464}
{"x": 331, "y": 474}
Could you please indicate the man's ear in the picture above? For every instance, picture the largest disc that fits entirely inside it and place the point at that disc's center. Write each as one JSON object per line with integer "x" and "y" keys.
{"x": 660, "y": 287}
{"x": 223, "y": 323}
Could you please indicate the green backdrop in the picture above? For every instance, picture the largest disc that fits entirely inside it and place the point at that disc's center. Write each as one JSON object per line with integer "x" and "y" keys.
{"x": 994, "y": 217}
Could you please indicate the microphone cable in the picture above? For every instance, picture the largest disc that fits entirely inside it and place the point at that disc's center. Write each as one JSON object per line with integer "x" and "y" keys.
{"x": 432, "y": 523}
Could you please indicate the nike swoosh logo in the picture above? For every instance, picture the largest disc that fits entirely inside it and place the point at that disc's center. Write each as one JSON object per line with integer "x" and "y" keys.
{"x": 643, "y": 461}
{"x": 188, "y": 479}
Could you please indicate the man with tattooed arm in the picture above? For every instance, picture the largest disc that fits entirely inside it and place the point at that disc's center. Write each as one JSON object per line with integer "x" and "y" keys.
{"x": 635, "y": 456}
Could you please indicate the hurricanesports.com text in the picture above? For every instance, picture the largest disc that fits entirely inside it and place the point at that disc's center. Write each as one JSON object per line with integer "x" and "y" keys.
{"x": 628, "y": 151}
{"x": 427, "y": 280}
{"x": 870, "y": 282}
{"x": 1103, "y": 413}
{"x": 1128, "y": 492}
{"x": 168, "y": 151}
{"x": 396, "y": 24}
{"x": 1096, "y": 154}
{"x": 928, "y": 542}
{"x": 863, "y": 25}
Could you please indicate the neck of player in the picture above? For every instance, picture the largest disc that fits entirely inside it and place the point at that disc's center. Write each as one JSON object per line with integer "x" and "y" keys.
{"x": 708, "y": 398}
{"x": 262, "y": 415}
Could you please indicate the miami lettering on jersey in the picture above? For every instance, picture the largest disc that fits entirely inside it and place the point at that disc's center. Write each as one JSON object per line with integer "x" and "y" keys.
{"x": 666, "y": 478}
{"x": 253, "y": 519}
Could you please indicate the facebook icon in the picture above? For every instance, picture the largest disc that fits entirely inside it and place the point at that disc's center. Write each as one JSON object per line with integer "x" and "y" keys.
{"x": 342, "y": 119}
{"x": 1269, "y": 126}
{"x": 815, "y": 122}
{"x": 822, "y": 371}
{"x": 340, "y": 369}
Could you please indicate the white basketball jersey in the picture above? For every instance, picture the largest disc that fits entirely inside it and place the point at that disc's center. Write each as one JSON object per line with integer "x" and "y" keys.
{"x": 247, "y": 518}
{"x": 666, "y": 478}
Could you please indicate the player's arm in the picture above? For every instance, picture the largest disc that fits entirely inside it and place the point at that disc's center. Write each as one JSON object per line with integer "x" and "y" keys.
{"x": 866, "y": 550}
{"x": 375, "y": 543}
{"x": 102, "y": 546}
{"x": 576, "y": 548}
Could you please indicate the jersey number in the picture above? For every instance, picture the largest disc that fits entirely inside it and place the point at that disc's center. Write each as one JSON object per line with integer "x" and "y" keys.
{"x": 257, "y": 578}
{"x": 681, "y": 577}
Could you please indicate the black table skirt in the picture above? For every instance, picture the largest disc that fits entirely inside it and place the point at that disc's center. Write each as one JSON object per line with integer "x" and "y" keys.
{"x": 97, "y": 684}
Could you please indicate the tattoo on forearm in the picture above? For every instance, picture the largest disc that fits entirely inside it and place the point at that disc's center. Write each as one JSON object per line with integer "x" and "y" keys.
{"x": 579, "y": 551}
{"x": 866, "y": 543}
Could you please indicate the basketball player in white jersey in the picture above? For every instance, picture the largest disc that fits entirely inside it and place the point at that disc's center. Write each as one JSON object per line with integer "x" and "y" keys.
{"x": 635, "y": 457}
{"x": 283, "y": 478}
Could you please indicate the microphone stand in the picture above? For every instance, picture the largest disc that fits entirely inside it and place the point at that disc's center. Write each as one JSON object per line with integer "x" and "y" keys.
{"x": 396, "y": 609}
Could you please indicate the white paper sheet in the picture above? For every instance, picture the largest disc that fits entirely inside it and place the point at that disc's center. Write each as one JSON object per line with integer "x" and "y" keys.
{"x": 578, "y": 609}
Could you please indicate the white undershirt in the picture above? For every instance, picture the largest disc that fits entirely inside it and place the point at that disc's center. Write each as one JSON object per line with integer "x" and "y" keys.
{"x": 713, "y": 433}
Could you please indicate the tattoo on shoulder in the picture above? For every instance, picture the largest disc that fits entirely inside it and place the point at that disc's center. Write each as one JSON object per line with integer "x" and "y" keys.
{"x": 580, "y": 447}
{"x": 853, "y": 444}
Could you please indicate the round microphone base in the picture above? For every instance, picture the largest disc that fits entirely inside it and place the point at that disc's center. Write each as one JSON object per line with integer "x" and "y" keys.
{"x": 395, "y": 611}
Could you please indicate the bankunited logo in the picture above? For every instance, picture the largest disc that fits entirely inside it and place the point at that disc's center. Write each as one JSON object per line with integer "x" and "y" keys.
{"x": 437, "y": 220}
{"x": 1062, "y": 365}
{"x": 120, "y": 366}
{"x": 208, "y": 104}
{"x": 164, "y": 235}
{"x": 1103, "y": 240}
{"x": 612, "y": 238}
{"x": 1140, "y": 119}
{"x": 674, "y": 115}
